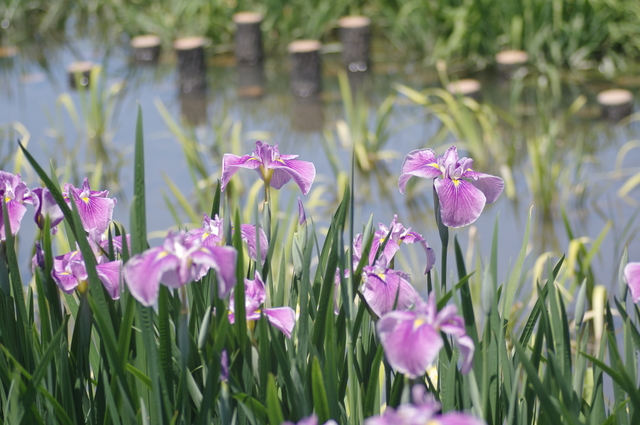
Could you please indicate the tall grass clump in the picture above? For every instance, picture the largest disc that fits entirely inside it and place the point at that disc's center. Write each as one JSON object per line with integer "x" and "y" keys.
{"x": 268, "y": 320}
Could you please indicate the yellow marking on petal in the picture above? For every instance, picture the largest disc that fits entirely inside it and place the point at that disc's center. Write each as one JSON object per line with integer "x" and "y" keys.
{"x": 73, "y": 254}
{"x": 254, "y": 159}
{"x": 7, "y": 199}
{"x": 205, "y": 235}
{"x": 382, "y": 276}
{"x": 86, "y": 200}
{"x": 456, "y": 182}
{"x": 469, "y": 169}
{"x": 64, "y": 273}
{"x": 434, "y": 165}
{"x": 418, "y": 322}
{"x": 433, "y": 421}
{"x": 161, "y": 255}
{"x": 280, "y": 160}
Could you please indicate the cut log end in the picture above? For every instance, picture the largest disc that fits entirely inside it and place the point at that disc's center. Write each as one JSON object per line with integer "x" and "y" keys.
{"x": 465, "y": 87}
{"x": 615, "y": 97}
{"x": 247, "y": 18}
{"x": 189, "y": 43}
{"x": 304, "y": 46}
{"x": 512, "y": 57}
{"x": 354, "y": 22}
{"x": 145, "y": 41}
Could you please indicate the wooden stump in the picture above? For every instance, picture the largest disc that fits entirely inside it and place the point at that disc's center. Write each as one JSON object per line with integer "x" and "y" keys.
{"x": 466, "y": 87}
{"x": 615, "y": 104}
{"x": 248, "y": 38}
{"x": 79, "y": 73}
{"x": 355, "y": 34}
{"x": 250, "y": 80}
{"x": 510, "y": 61}
{"x": 192, "y": 69}
{"x": 146, "y": 48}
{"x": 306, "y": 70}
{"x": 307, "y": 115}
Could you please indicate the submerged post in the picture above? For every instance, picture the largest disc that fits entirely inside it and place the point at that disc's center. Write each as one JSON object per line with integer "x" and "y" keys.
{"x": 79, "y": 73}
{"x": 306, "y": 68}
{"x": 248, "y": 38}
{"x": 145, "y": 48}
{"x": 355, "y": 35}
{"x": 191, "y": 64}
{"x": 250, "y": 81}
{"x": 615, "y": 103}
{"x": 466, "y": 87}
{"x": 510, "y": 61}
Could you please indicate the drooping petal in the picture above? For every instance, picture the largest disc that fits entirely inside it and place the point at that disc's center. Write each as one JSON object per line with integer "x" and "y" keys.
{"x": 632, "y": 276}
{"x": 248, "y": 233}
{"x": 65, "y": 280}
{"x": 283, "y": 318}
{"x": 467, "y": 348}
{"x": 45, "y": 206}
{"x": 490, "y": 186}
{"x": 109, "y": 274}
{"x": 409, "y": 343}
{"x": 381, "y": 290}
{"x": 460, "y": 202}
{"x": 419, "y": 163}
{"x": 302, "y": 172}
{"x": 142, "y": 273}
{"x": 223, "y": 260}
{"x": 232, "y": 163}
{"x": 15, "y": 211}
{"x": 279, "y": 178}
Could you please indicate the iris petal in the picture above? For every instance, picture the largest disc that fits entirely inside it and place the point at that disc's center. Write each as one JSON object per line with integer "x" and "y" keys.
{"x": 143, "y": 272}
{"x": 302, "y": 172}
{"x": 632, "y": 276}
{"x": 232, "y": 163}
{"x": 282, "y": 318}
{"x": 410, "y": 346}
{"x": 460, "y": 202}
{"x": 418, "y": 163}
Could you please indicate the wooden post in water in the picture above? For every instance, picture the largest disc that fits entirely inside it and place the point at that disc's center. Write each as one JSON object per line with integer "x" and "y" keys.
{"x": 466, "y": 87}
{"x": 192, "y": 69}
{"x": 146, "y": 48}
{"x": 306, "y": 68}
{"x": 7, "y": 52}
{"x": 248, "y": 38}
{"x": 615, "y": 103}
{"x": 510, "y": 61}
{"x": 79, "y": 73}
{"x": 355, "y": 34}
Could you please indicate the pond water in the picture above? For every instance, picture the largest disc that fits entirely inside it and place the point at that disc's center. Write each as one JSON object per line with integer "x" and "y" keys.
{"x": 31, "y": 95}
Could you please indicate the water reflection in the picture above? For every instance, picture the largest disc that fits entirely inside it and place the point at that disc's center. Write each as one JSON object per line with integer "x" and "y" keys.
{"x": 251, "y": 81}
{"x": 193, "y": 107}
{"x": 307, "y": 114}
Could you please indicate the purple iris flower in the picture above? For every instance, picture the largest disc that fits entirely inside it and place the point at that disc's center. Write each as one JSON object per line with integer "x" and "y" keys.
{"x": 211, "y": 234}
{"x": 309, "y": 420}
{"x": 283, "y": 318}
{"x": 423, "y": 411}
{"x": 274, "y": 169}
{"x": 69, "y": 271}
{"x": 463, "y": 192}
{"x": 177, "y": 263}
{"x": 381, "y": 287}
{"x": 632, "y": 276}
{"x": 46, "y": 206}
{"x": 94, "y": 208}
{"x": 397, "y": 234}
{"x": 412, "y": 341}
{"x": 16, "y": 194}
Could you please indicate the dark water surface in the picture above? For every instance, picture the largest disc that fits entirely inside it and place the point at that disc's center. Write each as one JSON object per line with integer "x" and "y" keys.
{"x": 30, "y": 94}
